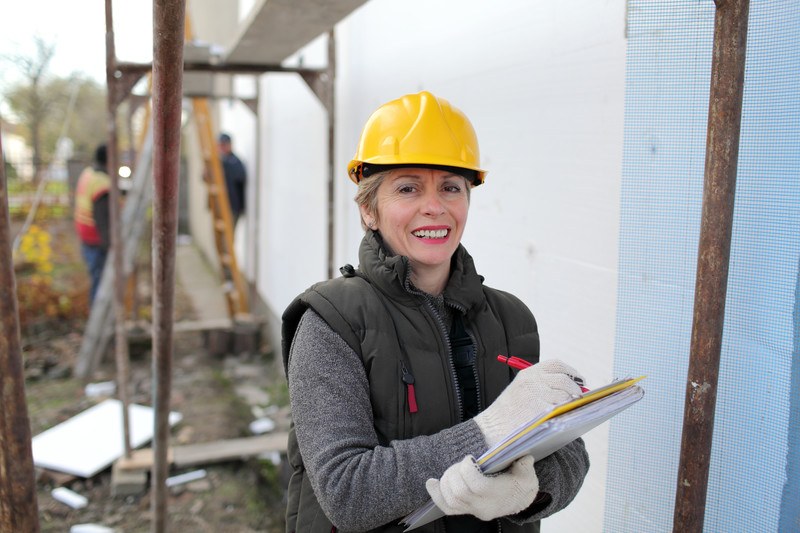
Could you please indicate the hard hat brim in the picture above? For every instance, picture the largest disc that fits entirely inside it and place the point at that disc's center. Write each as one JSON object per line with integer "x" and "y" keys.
{"x": 357, "y": 170}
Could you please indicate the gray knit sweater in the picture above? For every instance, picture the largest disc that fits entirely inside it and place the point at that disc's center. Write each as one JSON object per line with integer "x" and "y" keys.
{"x": 362, "y": 485}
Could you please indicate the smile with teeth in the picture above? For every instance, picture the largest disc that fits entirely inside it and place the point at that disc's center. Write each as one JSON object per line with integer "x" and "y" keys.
{"x": 431, "y": 233}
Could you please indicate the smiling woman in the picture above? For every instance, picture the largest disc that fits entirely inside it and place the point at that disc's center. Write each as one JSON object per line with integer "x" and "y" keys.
{"x": 391, "y": 367}
{"x": 421, "y": 214}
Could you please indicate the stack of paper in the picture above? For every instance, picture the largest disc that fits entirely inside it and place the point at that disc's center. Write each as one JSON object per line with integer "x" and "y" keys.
{"x": 546, "y": 433}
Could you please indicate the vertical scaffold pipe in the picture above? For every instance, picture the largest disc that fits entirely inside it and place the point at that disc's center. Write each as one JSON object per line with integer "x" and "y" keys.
{"x": 168, "y": 29}
{"x": 330, "y": 105}
{"x": 18, "y": 508}
{"x": 722, "y": 151}
{"x": 121, "y": 356}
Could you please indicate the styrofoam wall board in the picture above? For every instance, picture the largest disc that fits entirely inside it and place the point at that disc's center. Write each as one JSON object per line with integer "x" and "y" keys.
{"x": 293, "y": 192}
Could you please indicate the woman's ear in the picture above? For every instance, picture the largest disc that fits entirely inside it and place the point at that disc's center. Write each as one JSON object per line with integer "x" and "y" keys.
{"x": 368, "y": 218}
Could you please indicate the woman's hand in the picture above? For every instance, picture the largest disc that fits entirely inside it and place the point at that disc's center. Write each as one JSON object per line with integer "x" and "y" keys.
{"x": 534, "y": 390}
{"x": 464, "y": 489}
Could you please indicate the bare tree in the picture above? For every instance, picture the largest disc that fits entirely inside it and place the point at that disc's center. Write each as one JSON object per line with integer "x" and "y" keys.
{"x": 28, "y": 100}
{"x": 39, "y": 103}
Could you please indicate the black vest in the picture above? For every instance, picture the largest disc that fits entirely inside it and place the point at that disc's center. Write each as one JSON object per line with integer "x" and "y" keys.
{"x": 407, "y": 355}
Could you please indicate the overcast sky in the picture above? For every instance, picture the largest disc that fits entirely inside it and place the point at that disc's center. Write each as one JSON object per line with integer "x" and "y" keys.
{"x": 77, "y": 29}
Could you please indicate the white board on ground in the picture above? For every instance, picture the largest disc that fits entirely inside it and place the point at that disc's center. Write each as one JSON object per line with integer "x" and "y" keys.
{"x": 91, "y": 440}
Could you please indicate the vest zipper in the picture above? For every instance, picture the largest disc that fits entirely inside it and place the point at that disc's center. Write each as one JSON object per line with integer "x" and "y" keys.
{"x": 475, "y": 361}
{"x": 408, "y": 379}
{"x": 461, "y": 310}
{"x": 445, "y": 338}
{"x": 451, "y": 364}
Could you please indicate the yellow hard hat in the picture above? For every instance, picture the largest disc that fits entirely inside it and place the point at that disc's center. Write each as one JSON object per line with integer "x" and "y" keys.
{"x": 418, "y": 130}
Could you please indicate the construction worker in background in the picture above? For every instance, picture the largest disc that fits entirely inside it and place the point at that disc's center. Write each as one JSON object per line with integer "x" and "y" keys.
{"x": 394, "y": 384}
{"x": 92, "y": 216}
{"x": 235, "y": 177}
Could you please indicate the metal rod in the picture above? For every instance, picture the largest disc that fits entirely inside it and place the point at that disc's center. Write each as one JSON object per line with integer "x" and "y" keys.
{"x": 18, "y": 505}
{"x": 230, "y": 68}
{"x": 722, "y": 150}
{"x": 255, "y": 219}
{"x": 331, "y": 107}
{"x": 121, "y": 337}
{"x": 168, "y": 30}
{"x": 132, "y": 156}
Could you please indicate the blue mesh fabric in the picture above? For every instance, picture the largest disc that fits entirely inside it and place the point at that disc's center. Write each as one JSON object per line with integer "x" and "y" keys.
{"x": 754, "y": 480}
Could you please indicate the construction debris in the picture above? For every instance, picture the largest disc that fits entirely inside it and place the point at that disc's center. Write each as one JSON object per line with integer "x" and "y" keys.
{"x": 103, "y": 388}
{"x": 262, "y": 425}
{"x": 91, "y": 528}
{"x": 186, "y": 477}
{"x": 207, "y": 453}
{"x": 92, "y": 440}
{"x": 69, "y": 497}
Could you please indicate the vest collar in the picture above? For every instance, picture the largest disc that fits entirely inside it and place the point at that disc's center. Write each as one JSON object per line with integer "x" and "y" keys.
{"x": 390, "y": 274}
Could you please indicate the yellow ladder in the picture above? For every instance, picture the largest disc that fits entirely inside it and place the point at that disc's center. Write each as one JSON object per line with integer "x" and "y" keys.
{"x": 234, "y": 285}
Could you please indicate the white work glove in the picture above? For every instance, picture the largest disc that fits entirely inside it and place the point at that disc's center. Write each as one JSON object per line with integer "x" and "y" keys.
{"x": 534, "y": 390}
{"x": 464, "y": 489}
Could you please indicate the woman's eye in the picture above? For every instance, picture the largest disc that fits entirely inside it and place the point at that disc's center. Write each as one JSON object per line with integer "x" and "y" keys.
{"x": 452, "y": 188}
{"x": 405, "y": 188}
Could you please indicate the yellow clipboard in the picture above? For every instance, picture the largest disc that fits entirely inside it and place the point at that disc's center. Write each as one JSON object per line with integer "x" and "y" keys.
{"x": 584, "y": 399}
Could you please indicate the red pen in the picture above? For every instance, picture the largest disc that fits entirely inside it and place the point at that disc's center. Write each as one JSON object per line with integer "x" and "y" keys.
{"x": 514, "y": 362}
{"x": 520, "y": 363}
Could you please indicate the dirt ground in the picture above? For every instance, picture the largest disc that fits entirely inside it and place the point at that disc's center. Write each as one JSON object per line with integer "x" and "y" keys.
{"x": 213, "y": 394}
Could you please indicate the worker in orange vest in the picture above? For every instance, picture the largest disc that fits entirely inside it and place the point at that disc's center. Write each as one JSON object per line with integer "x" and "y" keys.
{"x": 92, "y": 216}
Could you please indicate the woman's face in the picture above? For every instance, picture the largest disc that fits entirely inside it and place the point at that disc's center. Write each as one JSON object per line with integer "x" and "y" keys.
{"x": 421, "y": 214}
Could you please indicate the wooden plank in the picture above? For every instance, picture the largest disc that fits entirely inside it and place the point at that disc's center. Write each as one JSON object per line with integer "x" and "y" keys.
{"x": 140, "y": 460}
{"x": 229, "y": 450}
{"x": 54, "y": 477}
{"x": 126, "y": 481}
{"x": 209, "y": 452}
{"x": 203, "y": 325}
{"x": 143, "y": 329}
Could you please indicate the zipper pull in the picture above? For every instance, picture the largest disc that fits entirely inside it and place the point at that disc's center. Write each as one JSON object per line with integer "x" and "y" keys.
{"x": 408, "y": 379}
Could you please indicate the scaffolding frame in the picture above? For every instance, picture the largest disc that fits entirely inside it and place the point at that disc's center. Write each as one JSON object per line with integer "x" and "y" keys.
{"x": 18, "y": 509}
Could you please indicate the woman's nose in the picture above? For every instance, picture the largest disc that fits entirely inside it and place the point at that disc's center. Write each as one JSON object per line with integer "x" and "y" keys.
{"x": 432, "y": 204}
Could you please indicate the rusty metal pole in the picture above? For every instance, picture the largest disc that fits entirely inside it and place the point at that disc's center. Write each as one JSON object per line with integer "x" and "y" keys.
{"x": 257, "y": 193}
{"x": 722, "y": 150}
{"x": 168, "y": 29}
{"x": 330, "y": 105}
{"x": 132, "y": 148}
{"x": 18, "y": 507}
{"x": 121, "y": 337}
{"x": 133, "y": 297}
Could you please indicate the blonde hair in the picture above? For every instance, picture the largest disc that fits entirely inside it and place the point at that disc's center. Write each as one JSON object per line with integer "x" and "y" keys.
{"x": 367, "y": 194}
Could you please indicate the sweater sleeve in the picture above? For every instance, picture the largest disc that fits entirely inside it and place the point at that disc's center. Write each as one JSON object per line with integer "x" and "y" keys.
{"x": 359, "y": 484}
